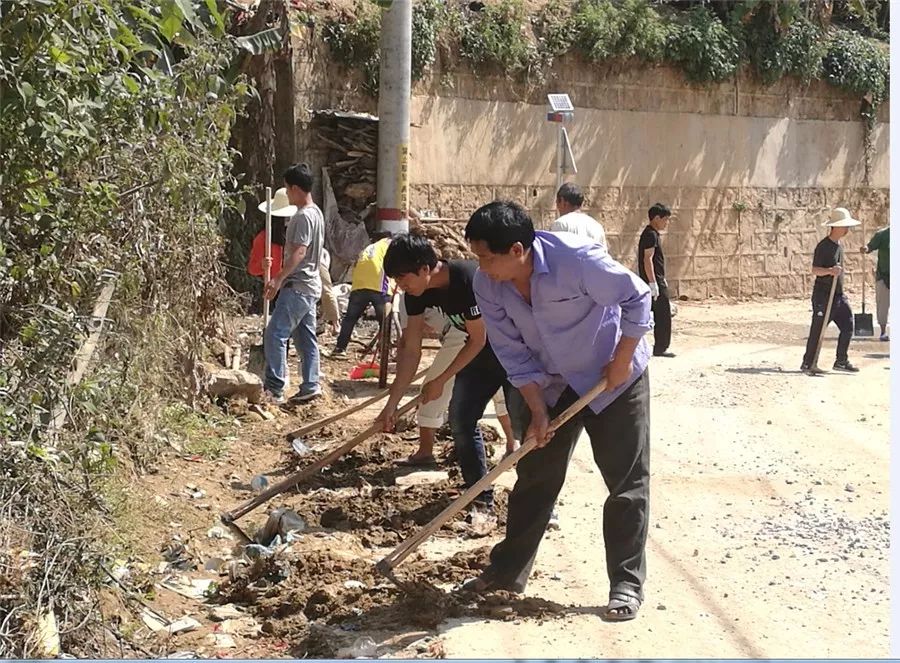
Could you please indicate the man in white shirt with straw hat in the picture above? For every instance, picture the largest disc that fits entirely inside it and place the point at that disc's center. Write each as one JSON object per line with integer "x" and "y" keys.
{"x": 827, "y": 267}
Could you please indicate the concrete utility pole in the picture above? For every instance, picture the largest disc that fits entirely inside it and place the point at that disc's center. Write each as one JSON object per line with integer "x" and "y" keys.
{"x": 393, "y": 115}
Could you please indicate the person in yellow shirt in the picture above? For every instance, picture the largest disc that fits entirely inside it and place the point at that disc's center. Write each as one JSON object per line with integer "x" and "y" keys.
{"x": 370, "y": 285}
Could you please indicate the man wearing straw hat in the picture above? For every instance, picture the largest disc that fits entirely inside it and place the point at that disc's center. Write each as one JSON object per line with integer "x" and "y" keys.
{"x": 299, "y": 286}
{"x": 826, "y": 267}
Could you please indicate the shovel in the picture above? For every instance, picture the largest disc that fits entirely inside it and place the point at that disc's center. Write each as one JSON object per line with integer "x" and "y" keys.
{"x": 814, "y": 367}
{"x": 256, "y": 362}
{"x": 862, "y": 322}
{"x": 229, "y": 517}
{"x": 386, "y": 566}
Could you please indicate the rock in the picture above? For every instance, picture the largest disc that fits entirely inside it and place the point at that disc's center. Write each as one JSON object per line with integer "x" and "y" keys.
{"x": 422, "y": 478}
{"x": 221, "y": 613}
{"x": 222, "y": 641}
{"x": 259, "y": 483}
{"x": 660, "y": 607}
{"x": 231, "y": 383}
{"x": 849, "y": 488}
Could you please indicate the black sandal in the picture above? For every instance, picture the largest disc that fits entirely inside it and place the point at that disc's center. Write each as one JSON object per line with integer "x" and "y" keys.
{"x": 621, "y": 607}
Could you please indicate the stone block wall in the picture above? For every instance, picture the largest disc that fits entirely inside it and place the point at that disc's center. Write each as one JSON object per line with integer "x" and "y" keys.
{"x": 750, "y": 171}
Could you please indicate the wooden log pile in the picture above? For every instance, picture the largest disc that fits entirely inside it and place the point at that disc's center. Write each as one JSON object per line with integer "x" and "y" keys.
{"x": 448, "y": 239}
{"x": 352, "y": 159}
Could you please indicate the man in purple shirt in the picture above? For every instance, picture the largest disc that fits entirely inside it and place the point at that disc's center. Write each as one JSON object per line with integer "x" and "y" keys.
{"x": 561, "y": 314}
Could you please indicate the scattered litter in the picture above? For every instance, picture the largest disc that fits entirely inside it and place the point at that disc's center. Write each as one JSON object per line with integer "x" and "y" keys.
{"x": 422, "y": 478}
{"x": 47, "y": 635}
{"x": 363, "y": 647}
{"x": 245, "y": 626}
{"x": 218, "y": 532}
{"x": 183, "y": 625}
{"x": 177, "y": 555}
{"x": 354, "y": 584}
{"x": 259, "y": 483}
{"x": 152, "y": 621}
{"x": 192, "y": 589}
{"x": 182, "y": 655}
{"x": 223, "y": 641}
{"x": 261, "y": 411}
{"x": 214, "y": 564}
{"x": 281, "y": 522}
{"x": 299, "y": 446}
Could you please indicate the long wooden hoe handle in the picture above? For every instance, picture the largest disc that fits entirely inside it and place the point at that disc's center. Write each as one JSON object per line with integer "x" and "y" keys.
{"x": 401, "y": 552}
{"x": 291, "y": 481}
{"x": 316, "y": 425}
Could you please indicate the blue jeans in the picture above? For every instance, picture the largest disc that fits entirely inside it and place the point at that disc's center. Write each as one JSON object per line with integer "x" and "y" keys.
{"x": 294, "y": 316}
{"x": 475, "y": 385}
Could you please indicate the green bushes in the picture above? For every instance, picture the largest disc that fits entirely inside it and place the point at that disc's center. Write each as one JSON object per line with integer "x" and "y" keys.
{"x": 772, "y": 39}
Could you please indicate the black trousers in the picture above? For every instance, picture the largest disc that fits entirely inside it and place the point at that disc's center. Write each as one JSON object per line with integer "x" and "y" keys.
{"x": 357, "y": 304}
{"x": 620, "y": 438}
{"x": 662, "y": 321}
{"x": 842, "y": 317}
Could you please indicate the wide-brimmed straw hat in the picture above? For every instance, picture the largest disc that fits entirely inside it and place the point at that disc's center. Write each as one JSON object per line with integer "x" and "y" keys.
{"x": 840, "y": 218}
{"x": 281, "y": 206}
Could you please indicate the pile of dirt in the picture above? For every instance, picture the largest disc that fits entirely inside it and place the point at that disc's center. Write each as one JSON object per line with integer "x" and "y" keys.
{"x": 323, "y": 589}
{"x": 358, "y": 493}
{"x": 448, "y": 240}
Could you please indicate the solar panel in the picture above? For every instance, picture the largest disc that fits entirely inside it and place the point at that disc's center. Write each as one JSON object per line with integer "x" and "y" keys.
{"x": 560, "y": 103}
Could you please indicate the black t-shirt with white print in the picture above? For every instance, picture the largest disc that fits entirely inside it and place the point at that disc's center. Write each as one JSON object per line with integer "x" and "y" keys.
{"x": 457, "y": 300}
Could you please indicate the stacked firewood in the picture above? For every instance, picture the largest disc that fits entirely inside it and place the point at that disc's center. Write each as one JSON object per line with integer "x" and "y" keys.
{"x": 447, "y": 238}
{"x": 353, "y": 146}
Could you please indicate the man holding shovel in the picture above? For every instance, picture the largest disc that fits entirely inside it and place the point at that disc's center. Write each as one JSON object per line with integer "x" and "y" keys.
{"x": 299, "y": 287}
{"x": 828, "y": 294}
{"x": 561, "y": 315}
{"x": 447, "y": 285}
{"x": 881, "y": 242}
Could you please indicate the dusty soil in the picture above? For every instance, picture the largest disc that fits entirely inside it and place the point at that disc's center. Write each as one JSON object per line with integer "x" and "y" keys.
{"x": 769, "y": 534}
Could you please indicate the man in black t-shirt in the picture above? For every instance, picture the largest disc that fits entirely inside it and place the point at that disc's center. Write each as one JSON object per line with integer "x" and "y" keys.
{"x": 826, "y": 267}
{"x": 428, "y": 282}
{"x": 652, "y": 268}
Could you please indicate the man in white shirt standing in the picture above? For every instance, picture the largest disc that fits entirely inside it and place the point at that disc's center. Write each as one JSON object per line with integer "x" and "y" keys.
{"x": 569, "y": 200}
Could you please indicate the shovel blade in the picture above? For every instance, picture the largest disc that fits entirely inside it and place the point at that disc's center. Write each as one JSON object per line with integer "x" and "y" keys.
{"x": 256, "y": 361}
{"x": 862, "y": 324}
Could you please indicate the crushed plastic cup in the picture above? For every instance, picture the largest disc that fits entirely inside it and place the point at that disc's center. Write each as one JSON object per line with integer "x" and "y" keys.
{"x": 363, "y": 647}
{"x": 299, "y": 446}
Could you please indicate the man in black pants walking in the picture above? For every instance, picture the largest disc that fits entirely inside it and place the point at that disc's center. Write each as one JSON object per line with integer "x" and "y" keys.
{"x": 652, "y": 268}
{"x": 561, "y": 314}
{"x": 827, "y": 267}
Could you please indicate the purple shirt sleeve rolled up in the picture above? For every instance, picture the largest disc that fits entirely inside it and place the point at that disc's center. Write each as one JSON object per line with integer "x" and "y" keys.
{"x": 582, "y": 302}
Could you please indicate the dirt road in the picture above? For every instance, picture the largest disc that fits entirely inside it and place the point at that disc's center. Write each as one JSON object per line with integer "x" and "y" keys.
{"x": 769, "y": 509}
{"x": 769, "y": 522}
